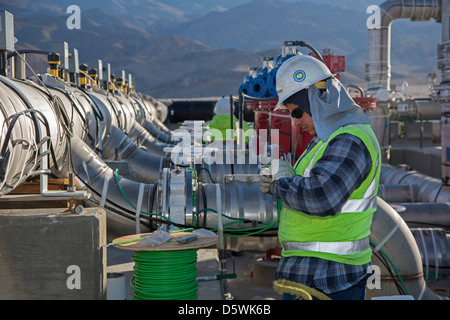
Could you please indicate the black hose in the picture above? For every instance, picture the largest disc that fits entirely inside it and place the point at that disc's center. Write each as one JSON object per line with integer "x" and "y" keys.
{"x": 304, "y": 44}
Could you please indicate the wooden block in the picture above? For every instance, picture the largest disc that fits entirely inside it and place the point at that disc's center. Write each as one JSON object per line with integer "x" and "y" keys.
{"x": 33, "y": 187}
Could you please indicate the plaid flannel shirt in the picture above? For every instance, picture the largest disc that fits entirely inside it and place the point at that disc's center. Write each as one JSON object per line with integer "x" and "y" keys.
{"x": 344, "y": 165}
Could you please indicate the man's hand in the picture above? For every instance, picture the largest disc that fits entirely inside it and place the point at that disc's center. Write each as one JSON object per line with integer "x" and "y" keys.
{"x": 277, "y": 170}
{"x": 281, "y": 169}
{"x": 266, "y": 180}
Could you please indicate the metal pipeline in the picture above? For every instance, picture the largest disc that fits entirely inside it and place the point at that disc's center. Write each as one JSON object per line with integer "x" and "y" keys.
{"x": 195, "y": 109}
{"x": 428, "y": 189}
{"x": 379, "y": 65}
{"x": 94, "y": 174}
{"x": 144, "y": 167}
{"x": 156, "y": 132}
{"x": 135, "y": 131}
{"x": 398, "y": 192}
{"x": 28, "y": 119}
{"x": 391, "y": 235}
{"x": 32, "y": 114}
{"x": 157, "y": 113}
{"x": 417, "y": 109}
{"x": 114, "y": 144}
{"x": 418, "y": 215}
{"x": 434, "y": 246}
{"x": 144, "y": 139}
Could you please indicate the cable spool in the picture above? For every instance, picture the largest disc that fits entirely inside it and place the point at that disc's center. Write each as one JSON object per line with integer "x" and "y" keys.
{"x": 165, "y": 275}
{"x": 167, "y": 271}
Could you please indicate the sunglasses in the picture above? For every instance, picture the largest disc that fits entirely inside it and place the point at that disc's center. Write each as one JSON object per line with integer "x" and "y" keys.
{"x": 297, "y": 113}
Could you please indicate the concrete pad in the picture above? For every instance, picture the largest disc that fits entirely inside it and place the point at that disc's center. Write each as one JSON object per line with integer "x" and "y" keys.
{"x": 50, "y": 254}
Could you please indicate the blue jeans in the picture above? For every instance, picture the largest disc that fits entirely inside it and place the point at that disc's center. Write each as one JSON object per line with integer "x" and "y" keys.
{"x": 357, "y": 292}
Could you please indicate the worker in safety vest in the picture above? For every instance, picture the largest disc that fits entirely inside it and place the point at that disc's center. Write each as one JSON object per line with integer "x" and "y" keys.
{"x": 329, "y": 195}
{"x": 221, "y": 122}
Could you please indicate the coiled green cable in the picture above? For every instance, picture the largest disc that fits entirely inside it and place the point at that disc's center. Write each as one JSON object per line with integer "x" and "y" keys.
{"x": 165, "y": 275}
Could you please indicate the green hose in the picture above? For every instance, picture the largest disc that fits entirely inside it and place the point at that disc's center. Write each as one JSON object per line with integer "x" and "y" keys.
{"x": 165, "y": 275}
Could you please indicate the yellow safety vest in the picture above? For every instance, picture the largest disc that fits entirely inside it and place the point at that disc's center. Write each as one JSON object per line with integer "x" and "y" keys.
{"x": 222, "y": 123}
{"x": 344, "y": 237}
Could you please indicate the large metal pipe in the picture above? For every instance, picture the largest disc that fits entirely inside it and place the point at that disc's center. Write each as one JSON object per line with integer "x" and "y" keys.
{"x": 135, "y": 131}
{"x": 191, "y": 109}
{"x": 417, "y": 109}
{"x": 428, "y": 189}
{"x": 392, "y": 237}
{"x": 144, "y": 139}
{"x": 379, "y": 65}
{"x": 28, "y": 119}
{"x": 434, "y": 247}
{"x": 114, "y": 143}
{"x": 144, "y": 166}
{"x": 92, "y": 173}
{"x": 420, "y": 215}
{"x": 398, "y": 192}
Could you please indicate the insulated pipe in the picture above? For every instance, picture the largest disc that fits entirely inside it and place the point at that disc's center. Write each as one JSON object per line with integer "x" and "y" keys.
{"x": 81, "y": 114}
{"x": 18, "y": 140}
{"x": 149, "y": 120}
{"x": 429, "y": 189}
{"x": 417, "y": 109}
{"x": 418, "y": 215}
{"x": 144, "y": 166}
{"x": 28, "y": 119}
{"x": 155, "y": 131}
{"x": 93, "y": 173}
{"x": 434, "y": 246}
{"x": 143, "y": 138}
{"x": 136, "y": 132}
{"x": 157, "y": 113}
{"x": 379, "y": 65}
{"x": 391, "y": 235}
{"x": 397, "y": 192}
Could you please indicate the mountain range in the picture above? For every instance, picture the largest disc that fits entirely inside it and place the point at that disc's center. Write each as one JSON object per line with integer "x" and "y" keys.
{"x": 200, "y": 48}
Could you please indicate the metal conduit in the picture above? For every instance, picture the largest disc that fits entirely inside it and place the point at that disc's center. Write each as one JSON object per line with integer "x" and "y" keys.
{"x": 398, "y": 192}
{"x": 379, "y": 65}
{"x": 144, "y": 139}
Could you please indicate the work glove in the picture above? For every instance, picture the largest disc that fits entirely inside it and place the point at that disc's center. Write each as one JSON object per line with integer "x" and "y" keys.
{"x": 281, "y": 169}
{"x": 266, "y": 179}
{"x": 278, "y": 169}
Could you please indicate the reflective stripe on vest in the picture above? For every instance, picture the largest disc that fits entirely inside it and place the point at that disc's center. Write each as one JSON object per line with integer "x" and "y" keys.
{"x": 360, "y": 205}
{"x": 341, "y": 248}
{"x": 309, "y": 166}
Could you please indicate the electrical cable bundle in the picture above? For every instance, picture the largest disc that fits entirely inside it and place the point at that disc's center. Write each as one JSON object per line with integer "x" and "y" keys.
{"x": 384, "y": 259}
{"x": 165, "y": 275}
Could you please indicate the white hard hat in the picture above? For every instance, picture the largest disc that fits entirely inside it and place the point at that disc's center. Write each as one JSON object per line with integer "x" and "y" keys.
{"x": 222, "y": 106}
{"x": 298, "y": 73}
